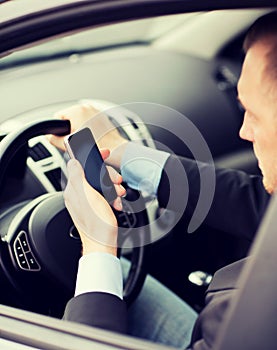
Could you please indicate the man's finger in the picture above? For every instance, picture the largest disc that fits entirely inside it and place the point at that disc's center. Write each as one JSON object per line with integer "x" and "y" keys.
{"x": 57, "y": 141}
{"x": 120, "y": 190}
{"x": 117, "y": 204}
{"x": 105, "y": 153}
{"x": 114, "y": 175}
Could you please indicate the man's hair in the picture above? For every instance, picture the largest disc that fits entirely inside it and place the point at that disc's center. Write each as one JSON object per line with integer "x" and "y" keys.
{"x": 265, "y": 29}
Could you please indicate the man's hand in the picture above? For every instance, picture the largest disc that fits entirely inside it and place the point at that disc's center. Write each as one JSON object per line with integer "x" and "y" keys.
{"x": 90, "y": 212}
{"x": 104, "y": 131}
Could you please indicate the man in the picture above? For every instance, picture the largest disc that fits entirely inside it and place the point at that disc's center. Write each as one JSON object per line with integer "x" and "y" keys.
{"x": 247, "y": 200}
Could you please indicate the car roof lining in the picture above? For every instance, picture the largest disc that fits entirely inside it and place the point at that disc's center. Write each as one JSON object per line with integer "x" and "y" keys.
{"x": 206, "y": 44}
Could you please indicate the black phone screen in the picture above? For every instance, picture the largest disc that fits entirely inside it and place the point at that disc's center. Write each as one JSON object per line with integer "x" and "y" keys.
{"x": 85, "y": 150}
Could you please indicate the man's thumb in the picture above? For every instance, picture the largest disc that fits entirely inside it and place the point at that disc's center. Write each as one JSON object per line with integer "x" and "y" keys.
{"x": 74, "y": 168}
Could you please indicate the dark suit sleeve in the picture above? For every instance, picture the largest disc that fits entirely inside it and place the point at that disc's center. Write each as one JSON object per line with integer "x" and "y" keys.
{"x": 239, "y": 203}
{"x": 98, "y": 309}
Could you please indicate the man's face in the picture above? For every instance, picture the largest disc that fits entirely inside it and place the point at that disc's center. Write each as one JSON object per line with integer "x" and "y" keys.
{"x": 255, "y": 92}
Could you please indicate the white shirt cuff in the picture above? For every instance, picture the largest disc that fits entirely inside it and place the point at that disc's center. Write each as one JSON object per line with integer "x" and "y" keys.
{"x": 141, "y": 167}
{"x": 99, "y": 272}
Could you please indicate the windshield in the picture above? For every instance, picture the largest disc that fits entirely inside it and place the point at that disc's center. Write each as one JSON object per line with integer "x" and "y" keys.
{"x": 139, "y": 31}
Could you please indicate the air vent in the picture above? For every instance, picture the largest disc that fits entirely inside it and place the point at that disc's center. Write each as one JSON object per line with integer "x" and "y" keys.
{"x": 38, "y": 152}
{"x": 54, "y": 176}
{"x": 227, "y": 82}
{"x": 135, "y": 126}
{"x": 225, "y": 78}
{"x": 119, "y": 128}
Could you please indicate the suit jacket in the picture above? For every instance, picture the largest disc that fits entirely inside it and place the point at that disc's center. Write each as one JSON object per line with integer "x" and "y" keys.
{"x": 237, "y": 195}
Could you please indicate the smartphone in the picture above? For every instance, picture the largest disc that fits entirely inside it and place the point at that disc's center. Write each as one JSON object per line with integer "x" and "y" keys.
{"x": 81, "y": 145}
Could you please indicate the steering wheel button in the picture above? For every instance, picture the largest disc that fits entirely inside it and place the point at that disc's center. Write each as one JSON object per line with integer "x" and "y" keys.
{"x": 18, "y": 247}
{"x": 23, "y": 263}
{"x": 34, "y": 266}
{"x": 24, "y": 242}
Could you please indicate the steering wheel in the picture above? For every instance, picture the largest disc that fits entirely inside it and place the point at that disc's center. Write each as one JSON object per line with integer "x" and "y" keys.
{"x": 41, "y": 247}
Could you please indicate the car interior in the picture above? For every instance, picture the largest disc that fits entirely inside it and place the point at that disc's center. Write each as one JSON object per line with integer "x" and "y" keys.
{"x": 148, "y": 75}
